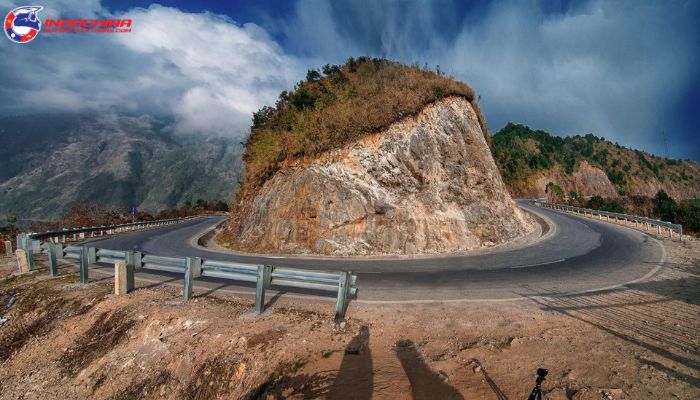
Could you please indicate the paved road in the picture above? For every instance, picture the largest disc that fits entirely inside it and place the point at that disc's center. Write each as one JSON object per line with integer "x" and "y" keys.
{"x": 579, "y": 254}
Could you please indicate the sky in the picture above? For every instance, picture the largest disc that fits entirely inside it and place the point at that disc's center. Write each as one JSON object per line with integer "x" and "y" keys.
{"x": 624, "y": 70}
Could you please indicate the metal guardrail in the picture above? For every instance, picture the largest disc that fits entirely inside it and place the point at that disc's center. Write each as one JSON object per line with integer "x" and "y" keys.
{"x": 81, "y": 233}
{"x": 344, "y": 284}
{"x": 648, "y": 222}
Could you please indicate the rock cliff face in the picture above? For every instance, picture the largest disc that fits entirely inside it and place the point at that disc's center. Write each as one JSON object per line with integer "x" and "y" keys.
{"x": 586, "y": 181}
{"x": 428, "y": 184}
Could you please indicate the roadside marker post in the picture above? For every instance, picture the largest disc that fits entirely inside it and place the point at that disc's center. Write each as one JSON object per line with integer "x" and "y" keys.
{"x": 22, "y": 261}
{"x": 8, "y": 248}
{"x": 53, "y": 262}
{"x": 264, "y": 278}
{"x": 123, "y": 278}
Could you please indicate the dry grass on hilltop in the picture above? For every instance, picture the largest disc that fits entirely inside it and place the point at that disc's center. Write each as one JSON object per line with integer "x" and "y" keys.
{"x": 338, "y": 105}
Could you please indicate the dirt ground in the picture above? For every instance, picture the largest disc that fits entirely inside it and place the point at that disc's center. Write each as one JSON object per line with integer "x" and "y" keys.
{"x": 64, "y": 340}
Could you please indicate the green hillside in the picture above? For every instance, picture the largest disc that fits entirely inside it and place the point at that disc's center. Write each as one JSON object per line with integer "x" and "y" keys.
{"x": 523, "y": 154}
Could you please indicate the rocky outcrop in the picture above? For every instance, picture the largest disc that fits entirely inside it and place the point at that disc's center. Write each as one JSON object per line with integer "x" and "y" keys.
{"x": 428, "y": 184}
{"x": 587, "y": 180}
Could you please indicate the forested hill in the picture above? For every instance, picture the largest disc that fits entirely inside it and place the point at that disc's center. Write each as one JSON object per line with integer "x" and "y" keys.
{"x": 586, "y": 166}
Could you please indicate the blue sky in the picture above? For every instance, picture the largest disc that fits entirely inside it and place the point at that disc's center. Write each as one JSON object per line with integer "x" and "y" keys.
{"x": 625, "y": 70}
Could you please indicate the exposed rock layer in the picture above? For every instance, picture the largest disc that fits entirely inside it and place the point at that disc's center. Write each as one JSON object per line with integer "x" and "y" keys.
{"x": 428, "y": 184}
{"x": 586, "y": 181}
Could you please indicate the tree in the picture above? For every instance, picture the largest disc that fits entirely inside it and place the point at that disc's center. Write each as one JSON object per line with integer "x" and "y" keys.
{"x": 312, "y": 75}
{"x": 664, "y": 206}
{"x": 261, "y": 116}
{"x": 554, "y": 192}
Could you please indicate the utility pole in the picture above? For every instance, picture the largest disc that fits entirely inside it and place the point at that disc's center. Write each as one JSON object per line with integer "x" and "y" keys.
{"x": 663, "y": 134}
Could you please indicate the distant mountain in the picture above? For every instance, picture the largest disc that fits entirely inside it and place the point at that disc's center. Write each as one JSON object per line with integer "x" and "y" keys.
{"x": 587, "y": 165}
{"x": 48, "y": 162}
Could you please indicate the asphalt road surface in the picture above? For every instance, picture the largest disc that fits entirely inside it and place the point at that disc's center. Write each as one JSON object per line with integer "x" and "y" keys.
{"x": 578, "y": 254}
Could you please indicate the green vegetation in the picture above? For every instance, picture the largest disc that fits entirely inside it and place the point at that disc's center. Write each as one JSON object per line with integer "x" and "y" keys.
{"x": 599, "y": 203}
{"x": 521, "y": 152}
{"x": 337, "y": 105}
{"x": 686, "y": 213}
{"x": 662, "y": 206}
{"x": 555, "y": 192}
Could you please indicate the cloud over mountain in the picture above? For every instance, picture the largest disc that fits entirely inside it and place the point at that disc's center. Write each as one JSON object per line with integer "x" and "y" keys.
{"x": 204, "y": 70}
{"x": 625, "y": 70}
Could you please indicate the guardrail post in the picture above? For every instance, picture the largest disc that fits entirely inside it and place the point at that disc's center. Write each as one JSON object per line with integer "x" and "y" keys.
{"x": 20, "y": 239}
{"x": 680, "y": 233}
{"x": 134, "y": 258}
{"x": 84, "y": 277}
{"x": 8, "y": 248}
{"x": 133, "y": 261}
{"x": 264, "y": 276}
{"x": 189, "y": 276}
{"x": 53, "y": 262}
{"x": 29, "y": 248}
{"x": 341, "y": 303}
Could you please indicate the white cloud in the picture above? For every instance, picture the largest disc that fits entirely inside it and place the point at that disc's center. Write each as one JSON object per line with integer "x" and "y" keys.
{"x": 203, "y": 70}
{"x": 612, "y": 68}
{"x": 616, "y": 69}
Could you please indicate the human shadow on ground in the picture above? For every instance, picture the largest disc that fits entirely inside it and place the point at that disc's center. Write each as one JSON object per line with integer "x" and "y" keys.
{"x": 355, "y": 378}
{"x": 425, "y": 383}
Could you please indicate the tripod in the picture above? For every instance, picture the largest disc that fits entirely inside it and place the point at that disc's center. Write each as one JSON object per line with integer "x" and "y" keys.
{"x": 536, "y": 393}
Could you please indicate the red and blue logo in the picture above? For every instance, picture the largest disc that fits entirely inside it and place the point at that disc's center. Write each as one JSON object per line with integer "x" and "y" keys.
{"x": 22, "y": 24}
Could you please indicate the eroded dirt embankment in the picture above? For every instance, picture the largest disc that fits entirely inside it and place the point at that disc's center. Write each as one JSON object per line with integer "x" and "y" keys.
{"x": 63, "y": 341}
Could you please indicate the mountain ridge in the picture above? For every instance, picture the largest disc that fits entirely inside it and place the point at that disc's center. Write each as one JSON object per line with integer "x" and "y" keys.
{"x": 588, "y": 165}
{"x": 51, "y": 161}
